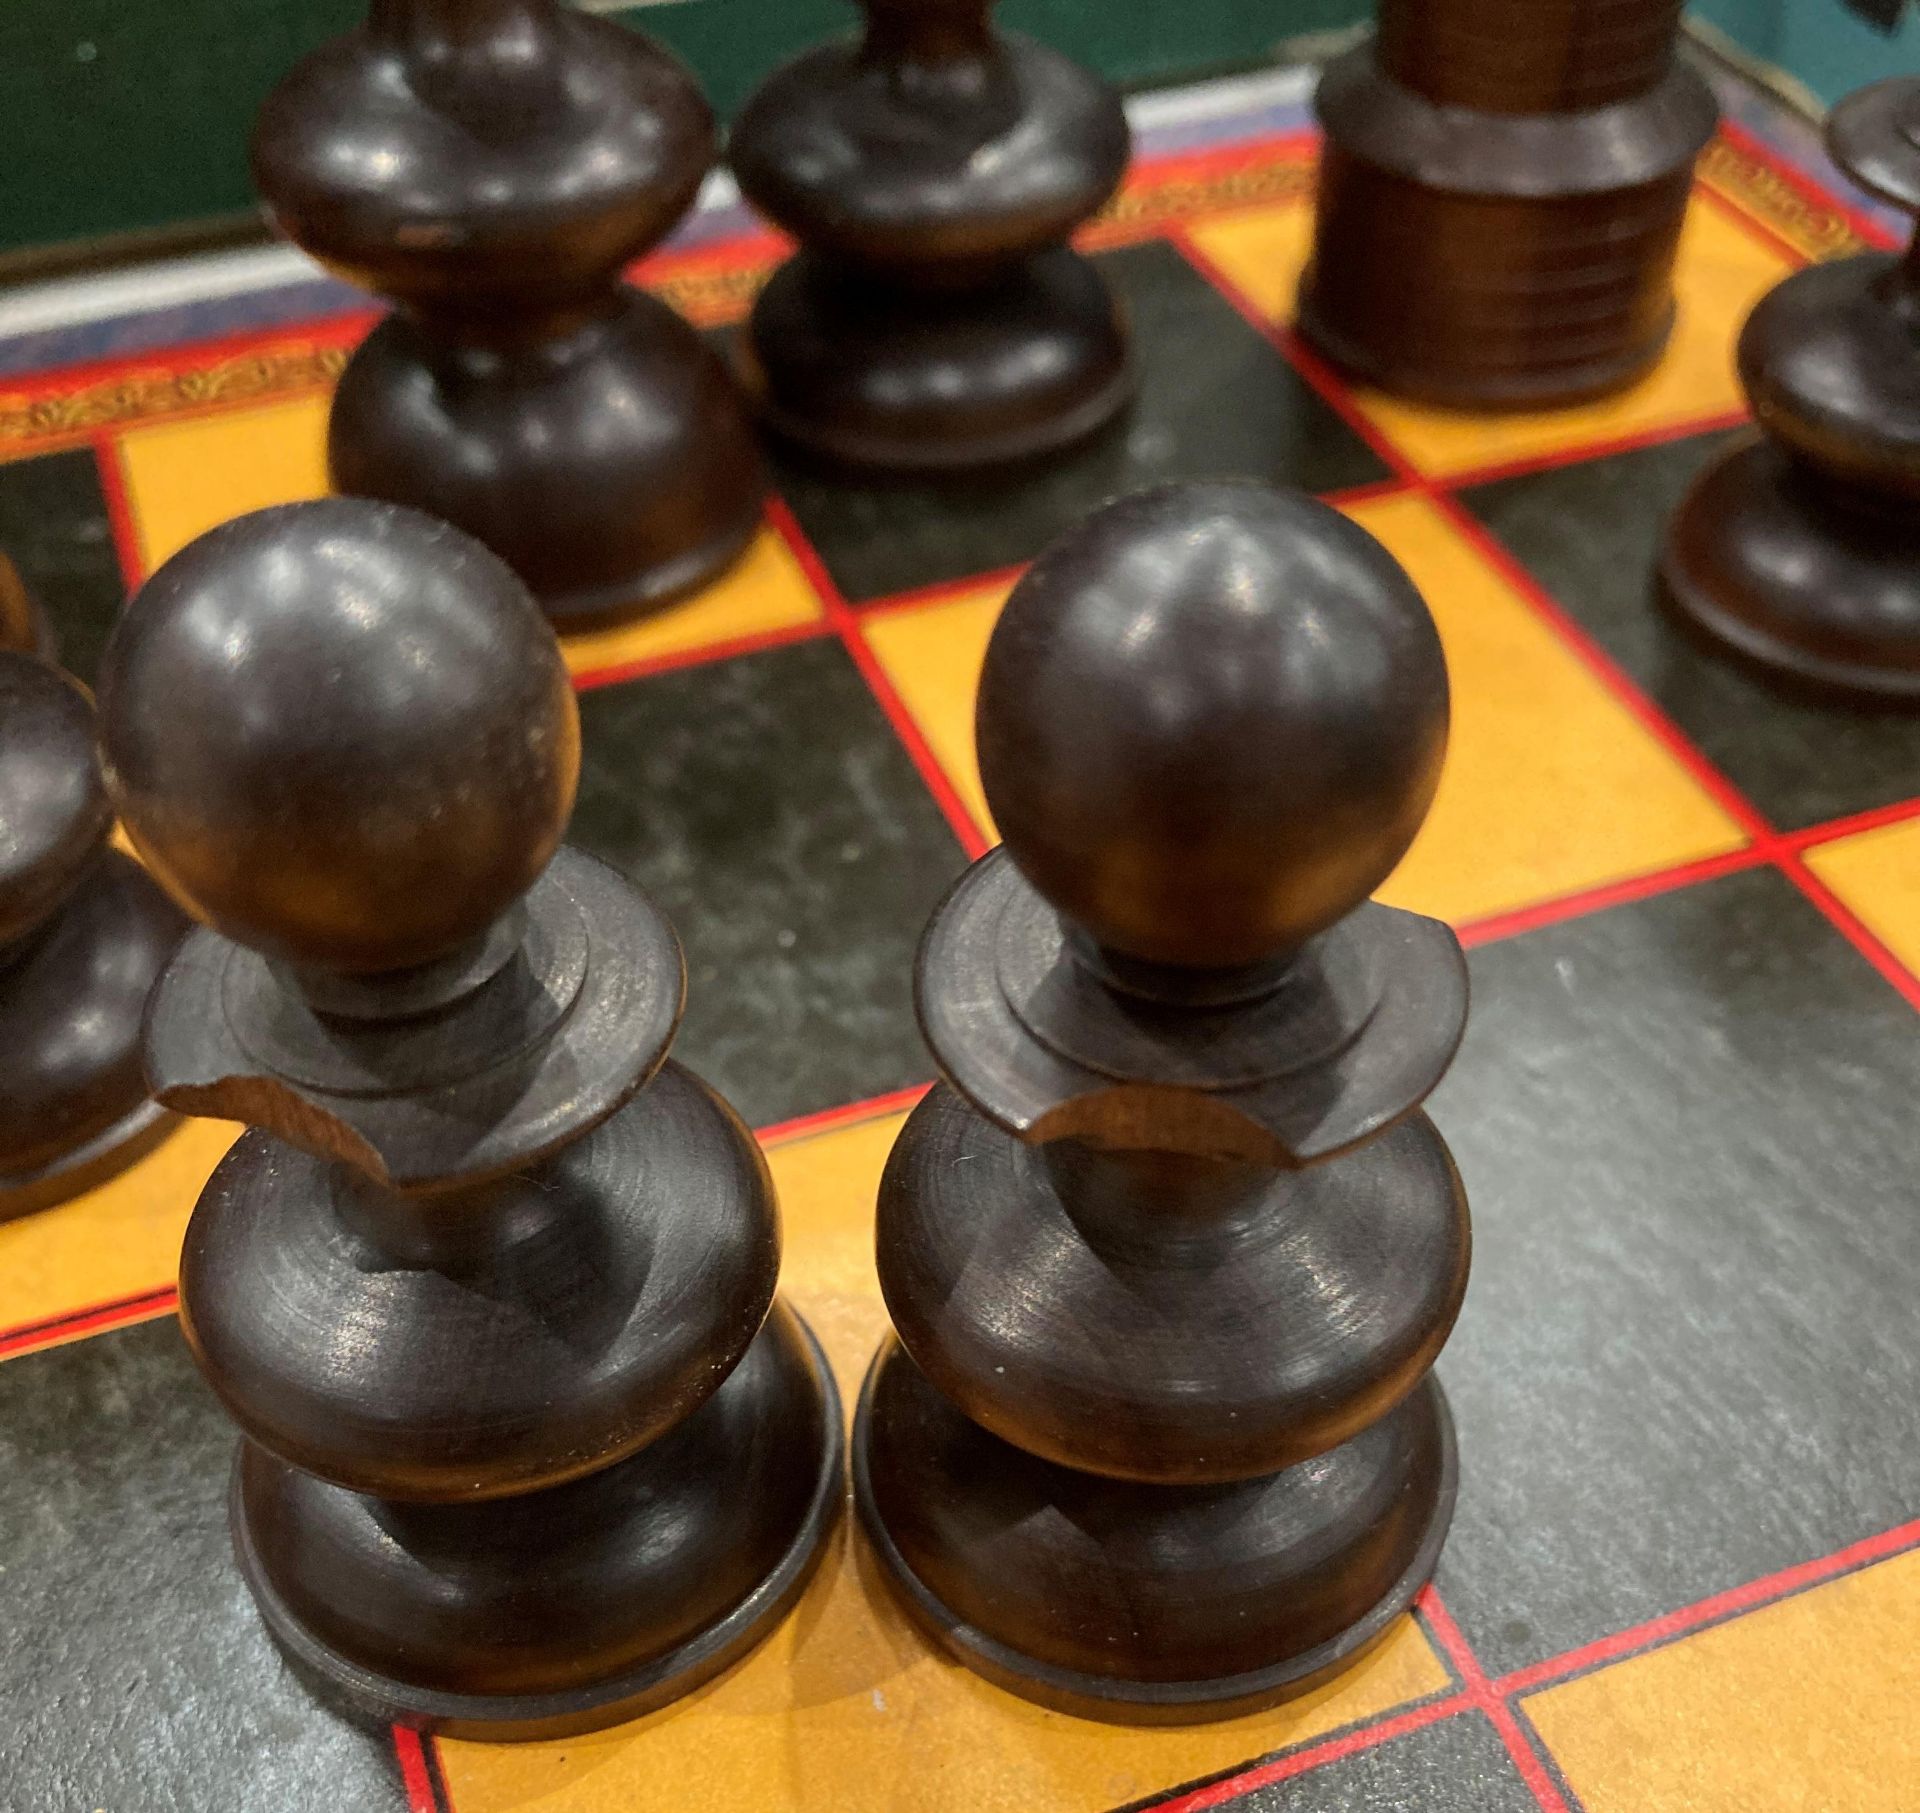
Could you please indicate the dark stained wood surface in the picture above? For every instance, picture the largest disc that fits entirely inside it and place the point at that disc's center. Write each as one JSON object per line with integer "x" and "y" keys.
{"x": 1501, "y": 192}
{"x": 529, "y": 1444}
{"x": 932, "y": 171}
{"x": 490, "y": 167}
{"x": 1171, "y": 1252}
{"x": 83, "y": 934}
{"x": 1799, "y": 552}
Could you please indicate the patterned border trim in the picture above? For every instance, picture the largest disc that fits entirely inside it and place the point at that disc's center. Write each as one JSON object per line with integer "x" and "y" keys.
{"x": 1807, "y": 221}
{"x": 715, "y": 286}
{"x": 161, "y": 391}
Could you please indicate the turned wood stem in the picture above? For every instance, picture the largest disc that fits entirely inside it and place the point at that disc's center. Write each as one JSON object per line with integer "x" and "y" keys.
{"x": 927, "y": 35}
{"x": 1136, "y": 1200}
{"x": 455, "y": 24}
{"x": 451, "y": 1231}
{"x": 1526, "y": 56}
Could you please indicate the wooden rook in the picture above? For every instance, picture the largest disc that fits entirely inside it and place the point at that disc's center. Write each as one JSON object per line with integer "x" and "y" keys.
{"x": 1501, "y": 193}
{"x": 83, "y": 934}
{"x": 1799, "y": 551}
{"x": 490, "y": 166}
{"x": 1171, "y": 1250}
{"x": 529, "y": 1444}
{"x": 935, "y": 318}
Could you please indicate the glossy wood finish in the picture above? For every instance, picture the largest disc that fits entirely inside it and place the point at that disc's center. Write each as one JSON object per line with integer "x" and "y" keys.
{"x": 23, "y": 624}
{"x": 1172, "y": 1250}
{"x": 1501, "y": 193}
{"x": 83, "y": 934}
{"x": 1797, "y": 553}
{"x": 530, "y": 1445}
{"x": 932, "y": 171}
{"x": 491, "y": 166}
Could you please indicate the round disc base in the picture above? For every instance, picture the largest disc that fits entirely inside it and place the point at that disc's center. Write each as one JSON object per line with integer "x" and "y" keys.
{"x": 613, "y": 466}
{"x": 1397, "y": 366}
{"x": 625, "y": 1563}
{"x": 105, "y": 1156}
{"x": 867, "y": 375}
{"x": 74, "y": 1107}
{"x": 1283, "y": 1581}
{"x": 1773, "y": 571}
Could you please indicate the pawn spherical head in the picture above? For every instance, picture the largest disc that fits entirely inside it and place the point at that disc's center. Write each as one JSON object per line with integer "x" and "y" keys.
{"x": 1211, "y": 721}
{"x": 340, "y": 732}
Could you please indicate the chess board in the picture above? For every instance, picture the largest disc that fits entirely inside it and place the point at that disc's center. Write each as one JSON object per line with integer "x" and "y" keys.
{"x": 1685, "y": 1569}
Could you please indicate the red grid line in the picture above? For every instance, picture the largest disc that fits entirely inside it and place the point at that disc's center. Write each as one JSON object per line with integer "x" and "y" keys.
{"x": 1848, "y": 924}
{"x": 121, "y": 522}
{"x": 1627, "y": 889}
{"x": 699, "y": 654}
{"x": 415, "y": 1776}
{"x": 92, "y": 1319}
{"x": 1656, "y": 434}
{"x": 1601, "y": 665}
{"x": 1753, "y": 146}
{"x": 1765, "y": 842}
{"x": 828, "y": 1120}
{"x": 1316, "y": 1755}
{"x": 846, "y": 623}
{"x": 1766, "y": 845}
{"x": 1758, "y": 231}
{"x": 1873, "y": 819}
{"x": 1351, "y": 497}
{"x": 1482, "y": 1695}
{"x": 941, "y": 591}
{"x": 1638, "y": 1639}
{"x": 1769, "y": 1589}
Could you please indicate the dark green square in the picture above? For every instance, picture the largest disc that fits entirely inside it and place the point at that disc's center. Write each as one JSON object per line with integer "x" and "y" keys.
{"x": 1216, "y": 399}
{"x": 767, "y": 805}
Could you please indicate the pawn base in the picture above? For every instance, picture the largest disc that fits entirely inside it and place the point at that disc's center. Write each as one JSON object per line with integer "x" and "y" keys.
{"x": 1774, "y": 571}
{"x": 87, "y": 1167}
{"x": 612, "y": 466}
{"x": 74, "y": 1107}
{"x": 868, "y": 375}
{"x": 1195, "y": 1602}
{"x": 566, "y": 1610}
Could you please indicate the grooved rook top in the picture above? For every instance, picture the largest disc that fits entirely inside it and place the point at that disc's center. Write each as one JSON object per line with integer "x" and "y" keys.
{"x": 1527, "y": 56}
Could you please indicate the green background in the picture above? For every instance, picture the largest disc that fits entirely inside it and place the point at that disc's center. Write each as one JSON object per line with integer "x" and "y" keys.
{"x": 131, "y": 115}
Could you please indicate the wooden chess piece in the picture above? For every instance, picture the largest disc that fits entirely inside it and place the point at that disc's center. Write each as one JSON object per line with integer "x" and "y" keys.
{"x": 1172, "y": 1249}
{"x": 23, "y": 624}
{"x": 530, "y": 1445}
{"x": 1799, "y": 551}
{"x": 1501, "y": 193}
{"x": 491, "y": 166}
{"x": 83, "y": 934}
{"x": 935, "y": 318}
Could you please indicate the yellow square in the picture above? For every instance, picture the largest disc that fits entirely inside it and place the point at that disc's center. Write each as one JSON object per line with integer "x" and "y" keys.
{"x": 933, "y": 654}
{"x": 846, "y": 1708}
{"x": 762, "y": 594}
{"x": 1807, "y": 1704}
{"x": 1877, "y": 874}
{"x": 184, "y": 478}
{"x": 1551, "y": 786}
{"x": 1721, "y": 272}
{"x": 117, "y": 1241}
